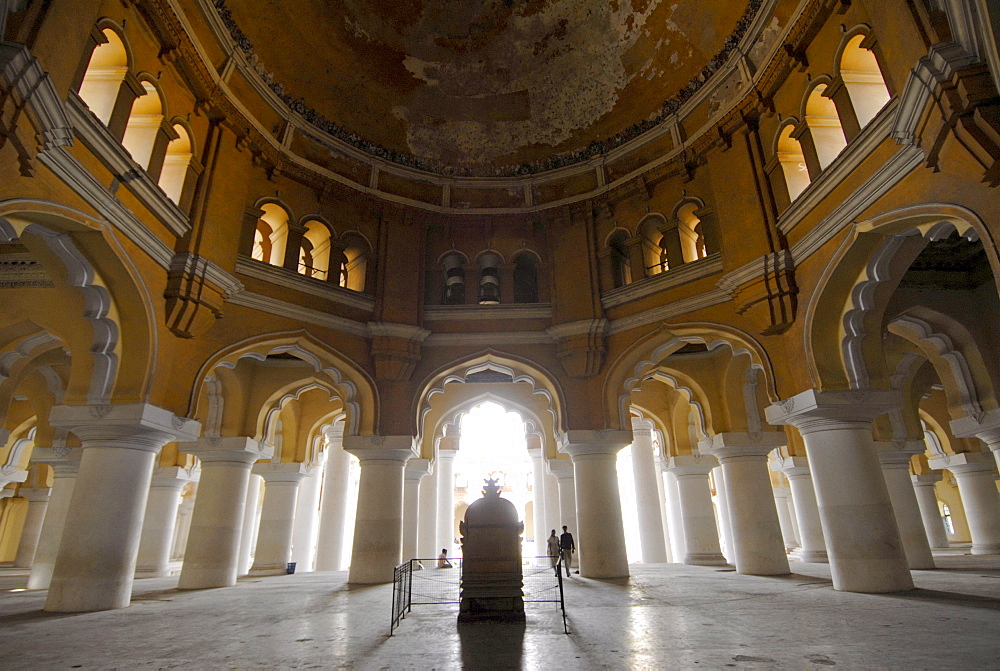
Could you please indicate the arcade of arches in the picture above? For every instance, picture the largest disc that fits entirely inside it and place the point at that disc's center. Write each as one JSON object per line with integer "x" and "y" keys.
{"x": 247, "y": 295}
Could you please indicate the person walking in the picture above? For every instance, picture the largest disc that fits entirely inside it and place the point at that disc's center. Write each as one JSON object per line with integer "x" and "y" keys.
{"x": 552, "y": 545}
{"x": 566, "y": 548}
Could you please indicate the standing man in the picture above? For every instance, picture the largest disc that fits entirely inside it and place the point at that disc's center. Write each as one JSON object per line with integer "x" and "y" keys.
{"x": 566, "y": 548}
{"x": 552, "y": 544}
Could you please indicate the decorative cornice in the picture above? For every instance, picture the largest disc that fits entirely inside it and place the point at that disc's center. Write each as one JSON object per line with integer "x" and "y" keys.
{"x": 504, "y": 311}
{"x": 675, "y": 277}
{"x": 669, "y": 311}
{"x": 273, "y": 306}
{"x": 583, "y": 327}
{"x": 488, "y": 339}
{"x": 390, "y": 330}
{"x": 307, "y": 285}
{"x": 193, "y": 264}
{"x": 936, "y": 68}
{"x": 24, "y": 74}
{"x": 757, "y": 268}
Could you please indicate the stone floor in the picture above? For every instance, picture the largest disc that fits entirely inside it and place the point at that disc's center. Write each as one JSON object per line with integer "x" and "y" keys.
{"x": 664, "y": 616}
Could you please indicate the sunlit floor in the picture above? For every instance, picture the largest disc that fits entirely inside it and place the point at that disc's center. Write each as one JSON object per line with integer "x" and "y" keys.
{"x": 664, "y": 616}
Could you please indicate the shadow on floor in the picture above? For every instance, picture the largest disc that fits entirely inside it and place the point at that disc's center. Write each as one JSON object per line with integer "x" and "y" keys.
{"x": 950, "y": 598}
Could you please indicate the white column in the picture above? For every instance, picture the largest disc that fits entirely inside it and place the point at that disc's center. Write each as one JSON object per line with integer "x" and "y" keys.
{"x": 160, "y": 520}
{"x": 647, "y": 494}
{"x": 601, "y": 538}
{"x": 985, "y": 426}
{"x": 977, "y": 486}
{"x": 701, "y": 535}
{"x": 862, "y": 540}
{"x": 757, "y": 543}
{"x": 38, "y": 501}
{"x": 211, "y": 558}
{"x": 415, "y": 471}
{"x": 251, "y": 521}
{"x": 333, "y": 507}
{"x": 677, "y": 543}
{"x": 277, "y": 515}
{"x": 794, "y": 515}
{"x": 552, "y": 514}
{"x": 562, "y": 469}
{"x": 444, "y": 467}
{"x": 307, "y": 518}
{"x": 722, "y": 521}
{"x": 65, "y": 463}
{"x": 538, "y": 497}
{"x": 664, "y": 516}
{"x": 895, "y": 460}
{"x": 95, "y": 566}
{"x": 930, "y": 513}
{"x": 427, "y": 524}
{"x": 183, "y": 526}
{"x": 378, "y": 534}
{"x": 812, "y": 545}
{"x": 781, "y": 495}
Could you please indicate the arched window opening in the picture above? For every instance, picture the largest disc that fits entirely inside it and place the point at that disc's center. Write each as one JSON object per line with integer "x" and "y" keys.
{"x": 175, "y": 164}
{"x": 103, "y": 78}
{"x": 271, "y": 235}
{"x": 143, "y": 125}
{"x": 621, "y": 273}
{"x": 354, "y": 272}
{"x": 793, "y": 163}
{"x": 314, "y": 254}
{"x": 454, "y": 280}
{"x": 689, "y": 230}
{"x": 489, "y": 279}
{"x": 863, "y": 78}
{"x": 824, "y": 123}
{"x": 654, "y": 254}
{"x": 525, "y": 279}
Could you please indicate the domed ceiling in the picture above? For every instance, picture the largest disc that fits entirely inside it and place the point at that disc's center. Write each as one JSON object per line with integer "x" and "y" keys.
{"x": 476, "y": 85}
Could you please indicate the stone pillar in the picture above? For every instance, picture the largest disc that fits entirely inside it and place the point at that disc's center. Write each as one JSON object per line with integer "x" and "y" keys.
{"x": 552, "y": 514}
{"x": 781, "y": 495}
{"x": 562, "y": 470}
{"x": 307, "y": 518}
{"x": 977, "y": 486}
{"x": 251, "y": 521}
{"x": 65, "y": 463}
{"x": 96, "y": 562}
{"x": 38, "y": 502}
{"x": 647, "y": 494}
{"x": 862, "y": 540}
{"x": 333, "y": 507}
{"x": 183, "y": 526}
{"x": 160, "y": 520}
{"x": 810, "y": 527}
{"x": 694, "y": 499}
{"x": 677, "y": 543}
{"x": 444, "y": 466}
{"x": 721, "y": 507}
{"x": 427, "y": 524}
{"x": 895, "y": 460}
{"x": 538, "y": 497}
{"x": 415, "y": 471}
{"x": 664, "y": 515}
{"x": 758, "y": 547}
{"x": 378, "y": 526}
{"x": 985, "y": 427}
{"x": 601, "y": 539}
{"x": 213, "y": 549}
{"x": 930, "y": 513}
{"x": 277, "y": 516}
{"x": 795, "y": 519}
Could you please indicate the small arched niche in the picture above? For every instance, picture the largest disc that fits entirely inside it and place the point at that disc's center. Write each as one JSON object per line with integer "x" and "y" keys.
{"x": 525, "y": 278}
{"x": 793, "y": 162}
{"x": 176, "y": 163}
{"x": 863, "y": 78}
{"x": 105, "y": 73}
{"x": 143, "y": 125}
{"x": 271, "y": 235}
{"x": 824, "y": 124}
{"x": 314, "y": 252}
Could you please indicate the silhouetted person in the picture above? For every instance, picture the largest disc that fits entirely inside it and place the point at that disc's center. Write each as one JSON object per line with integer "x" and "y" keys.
{"x": 443, "y": 559}
{"x": 552, "y": 545}
{"x": 566, "y": 548}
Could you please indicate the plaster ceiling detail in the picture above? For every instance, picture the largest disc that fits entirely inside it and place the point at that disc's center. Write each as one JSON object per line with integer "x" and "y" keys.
{"x": 487, "y": 88}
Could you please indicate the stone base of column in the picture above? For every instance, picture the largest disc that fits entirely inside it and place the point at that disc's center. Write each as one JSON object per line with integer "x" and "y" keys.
{"x": 986, "y": 549}
{"x": 705, "y": 559}
{"x": 152, "y": 572}
{"x": 810, "y": 556}
{"x": 269, "y": 569}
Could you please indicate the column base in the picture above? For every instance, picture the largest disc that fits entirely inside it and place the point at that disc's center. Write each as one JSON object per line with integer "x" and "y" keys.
{"x": 986, "y": 549}
{"x": 810, "y": 556}
{"x": 705, "y": 559}
{"x": 268, "y": 570}
{"x": 152, "y": 572}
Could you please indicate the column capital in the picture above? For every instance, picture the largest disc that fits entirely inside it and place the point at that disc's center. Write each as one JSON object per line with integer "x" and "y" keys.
{"x": 136, "y": 426}
{"x": 380, "y": 448}
{"x": 726, "y": 446}
{"x": 9, "y": 474}
{"x": 641, "y": 425}
{"x": 982, "y": 425}
{"x": 235, "y": 449}
{"x": 897, "y": 452}
{"x": 792, "y": 467}
{"x": 963, "y": 463}
{"x": 38, "y": 495}
{"x": 691, "y": 464}
{"x": 416, "y": 469}
{"x": 560, "y": 468}
{"x": 334, "y": 432}
{"x": 536, "y": 453}
{"x": 174, "y": 476}
{"x": 582, "y": 443}
{"x": 450, "y": 442}
{"x": 65, "y": 461}
{"x": 292, "y": 471}
{"x": 813, "y": 410}
{"x": 926, "y": 479}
